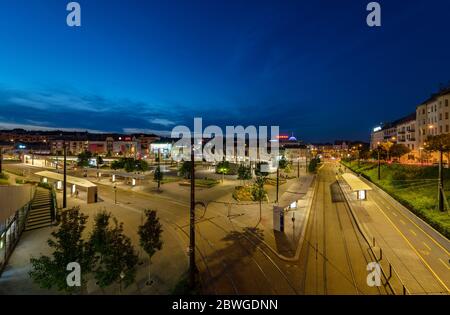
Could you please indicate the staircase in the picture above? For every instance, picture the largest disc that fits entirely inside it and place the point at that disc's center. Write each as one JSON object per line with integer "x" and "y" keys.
{"x": 40, "y": 214}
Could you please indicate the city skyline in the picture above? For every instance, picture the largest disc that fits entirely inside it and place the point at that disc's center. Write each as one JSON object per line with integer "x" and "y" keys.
{"x": 304, "y": 67}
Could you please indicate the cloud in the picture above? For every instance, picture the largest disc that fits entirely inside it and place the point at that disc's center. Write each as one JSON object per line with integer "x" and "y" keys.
{"x": 164, "y": 133}
{"x": 162, "y": 121}
{"x": 6, "y": 125}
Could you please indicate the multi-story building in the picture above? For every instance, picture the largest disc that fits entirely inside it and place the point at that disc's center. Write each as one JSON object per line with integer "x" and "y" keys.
{"x": 433, "y": 116}
{"x": 406, "y": 132}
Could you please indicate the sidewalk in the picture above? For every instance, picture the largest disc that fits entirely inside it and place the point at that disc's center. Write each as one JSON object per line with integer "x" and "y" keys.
{"x": 402, "y": 244}
{"x": 286, "y": 245}
{"x": 167, "y": 266}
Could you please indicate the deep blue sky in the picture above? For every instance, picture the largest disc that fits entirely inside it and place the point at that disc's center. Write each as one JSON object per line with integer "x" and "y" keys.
{"x": 311, "y": 67}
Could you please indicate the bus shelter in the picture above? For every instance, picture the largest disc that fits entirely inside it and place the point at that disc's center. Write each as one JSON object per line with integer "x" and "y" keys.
{"x": 88, "y": 189}
{"x": 356, "y": 185}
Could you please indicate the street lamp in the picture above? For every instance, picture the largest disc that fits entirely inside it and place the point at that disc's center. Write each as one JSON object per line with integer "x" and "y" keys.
{"x": 65, "y": 175}
{"x": 379, "y": 162}
{"x": 192, "y": 266}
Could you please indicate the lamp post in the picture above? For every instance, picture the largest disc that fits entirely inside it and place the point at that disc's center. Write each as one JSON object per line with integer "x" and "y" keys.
{"x": 115, "y": 194}
{"x": 379, "y": 162}
{"x": 65, "y": 175}
{"x": 1, "y": 159}
{"x": 192, "y": 267}
{"x": 278, "y": 181}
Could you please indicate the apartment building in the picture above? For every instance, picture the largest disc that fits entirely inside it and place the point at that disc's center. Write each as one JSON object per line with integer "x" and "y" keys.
{"x": 433, "y": 116}
{"x": 406, "y": 132}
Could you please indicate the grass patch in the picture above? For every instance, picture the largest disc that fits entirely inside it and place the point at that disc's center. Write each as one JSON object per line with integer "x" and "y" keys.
{"x": 243, "y": 193}
{"x": 415, "y": 187}
{"x": 202, "y": 183}
{"x": 167, "y": 180}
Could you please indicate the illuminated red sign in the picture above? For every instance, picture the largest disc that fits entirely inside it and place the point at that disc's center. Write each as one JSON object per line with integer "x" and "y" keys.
{"x": 282, "y": 137}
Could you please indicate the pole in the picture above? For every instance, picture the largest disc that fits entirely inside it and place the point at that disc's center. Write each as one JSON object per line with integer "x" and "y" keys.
{"x": 298, "y": 167}
{"x": 1, "y": 159}
{"x": 192, "y": 267}
{"x": 278, "y": 177}
{"x": 115, "y": 194}
{"x": 440, "y": 185}
{"x": 306, "y": 161}
{"x": 65, "y": 175}
{"x": 379, "y": 165}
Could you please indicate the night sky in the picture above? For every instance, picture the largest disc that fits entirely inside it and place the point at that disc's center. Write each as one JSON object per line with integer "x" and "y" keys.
{"x": 312, "y": 67}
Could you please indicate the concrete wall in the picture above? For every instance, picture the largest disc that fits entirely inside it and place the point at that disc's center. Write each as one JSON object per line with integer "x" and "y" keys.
{"x": 13, "y": 198}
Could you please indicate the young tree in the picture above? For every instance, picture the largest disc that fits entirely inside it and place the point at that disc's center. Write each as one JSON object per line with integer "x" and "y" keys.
{"x": 158, "y": 176}
{"x": 223, "y": 168}
{"x": 387, "y": 146}
{"x": 244, "y": 172}
{"x": 99, "y": 160}
{"x": 114, "y": 257}
{"x": 83, "y": 158}
{"x": 185, "y": 169}
{"x": 399, "y": 150}
{"x": 258, "y": 192}
{"x": 441, "y": 144}
{"x": 68, "y": 247}
{"x": 150, "y": 236}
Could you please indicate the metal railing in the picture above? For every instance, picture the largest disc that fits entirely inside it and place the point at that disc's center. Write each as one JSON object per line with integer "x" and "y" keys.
{"x": 11, "y": 232}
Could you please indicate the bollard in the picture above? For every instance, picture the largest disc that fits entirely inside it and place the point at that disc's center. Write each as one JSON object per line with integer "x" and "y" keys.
{"x": 390, "y": 270}
{"x": 404, "y": 290}
{"x": 373, "y": 240}
{"x": 381, "y": 254}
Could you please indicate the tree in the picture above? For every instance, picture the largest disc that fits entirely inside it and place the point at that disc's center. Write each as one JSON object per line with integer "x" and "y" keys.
{"x": 150, "y": 236}
{"x": 185, "y": 169}
{"x": 99, "y": 160}
{"x": 387, "y": 146}
{"x": 117, "y": 164}
{"x": 158, "y": 176}
{"x": 68, "y": 247}
{"x": 312, "y": 167}
{"x": 223, "y": 167}
{"x": 244, "y": 172}
{"x": 114, "y": 258}
{"x": 283, "y": 163}
{"x": 399, "y": 150}
{"x": 441, "y": 144}
{"x": 83, "y": 158}
{"x": 258, "y": 192}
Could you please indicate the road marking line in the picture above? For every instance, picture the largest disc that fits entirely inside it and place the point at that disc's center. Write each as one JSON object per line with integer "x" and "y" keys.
{"x": 426, "y": 246}
{"x": 412, "y": 221}
{"x": 414, "y": 249}
{"x": 415, "y": 234}
{"x": 403, "y": 222}
{"x": 395, "y": 214}
{"x": 446, "y": 265}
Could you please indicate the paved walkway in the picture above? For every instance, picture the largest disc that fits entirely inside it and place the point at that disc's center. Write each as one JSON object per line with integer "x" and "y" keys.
{"x": 419, "y": 260}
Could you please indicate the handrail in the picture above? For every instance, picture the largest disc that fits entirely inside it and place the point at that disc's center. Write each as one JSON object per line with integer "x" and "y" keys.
{"x": 20, "y": 219}
{"x": 54, "y": 205}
